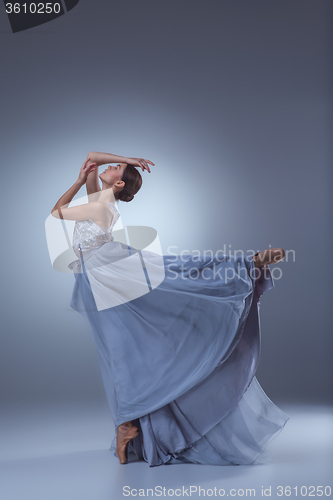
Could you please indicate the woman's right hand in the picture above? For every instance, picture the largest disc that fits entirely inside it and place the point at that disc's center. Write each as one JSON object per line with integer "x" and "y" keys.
{"x": 85, "y": 170}
{"x": 140, "y": 162}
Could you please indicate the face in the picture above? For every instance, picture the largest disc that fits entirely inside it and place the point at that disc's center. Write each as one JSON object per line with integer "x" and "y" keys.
{"x": 113, "y": 174}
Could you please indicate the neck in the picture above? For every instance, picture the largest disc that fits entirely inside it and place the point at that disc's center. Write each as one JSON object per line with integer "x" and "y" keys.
{"x": 106, "y": 195}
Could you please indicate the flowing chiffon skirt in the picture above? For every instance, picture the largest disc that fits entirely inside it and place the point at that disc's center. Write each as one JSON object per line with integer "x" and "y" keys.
{"x": 180, "y": 360}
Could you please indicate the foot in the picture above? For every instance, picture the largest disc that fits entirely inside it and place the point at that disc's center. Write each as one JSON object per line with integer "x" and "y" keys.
{"x": 270, "y": 256}
{"x": 125, "y": 433}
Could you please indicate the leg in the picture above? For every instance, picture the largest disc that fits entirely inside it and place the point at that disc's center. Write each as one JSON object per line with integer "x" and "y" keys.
{"x": 269, "y": 256}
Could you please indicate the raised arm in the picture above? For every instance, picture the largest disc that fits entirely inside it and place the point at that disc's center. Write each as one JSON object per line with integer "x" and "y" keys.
{"x": 92, "y": 183}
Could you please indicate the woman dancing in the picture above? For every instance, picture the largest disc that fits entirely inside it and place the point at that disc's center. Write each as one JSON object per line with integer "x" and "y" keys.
{"x": 178, "y": 360}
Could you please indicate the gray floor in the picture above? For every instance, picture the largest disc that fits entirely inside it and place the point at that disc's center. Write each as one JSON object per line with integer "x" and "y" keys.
{"x": 60, "y": 452}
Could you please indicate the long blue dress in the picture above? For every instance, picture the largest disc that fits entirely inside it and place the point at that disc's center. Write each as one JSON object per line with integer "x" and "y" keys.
{"x": 178, "y": 359}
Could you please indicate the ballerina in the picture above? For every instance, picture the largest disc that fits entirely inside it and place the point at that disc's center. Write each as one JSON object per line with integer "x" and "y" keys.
{"x": 163, "y": 353}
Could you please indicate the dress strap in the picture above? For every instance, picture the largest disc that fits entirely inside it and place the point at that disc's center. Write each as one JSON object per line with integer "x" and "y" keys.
{"x": 81, "y": 258}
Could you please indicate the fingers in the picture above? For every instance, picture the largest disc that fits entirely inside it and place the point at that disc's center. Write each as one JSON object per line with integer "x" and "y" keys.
{"x": 92, "y": 165}
{"x": 151, "y": 163}
{"x": 141, "y": 162}
{"x": 91, "y": 168}
{"x": 85, "y": 165}
{"x": 144, "y": 164}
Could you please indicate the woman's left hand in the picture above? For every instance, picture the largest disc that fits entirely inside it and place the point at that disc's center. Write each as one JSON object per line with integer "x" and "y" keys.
{"x": 141, "y": 162}
{"x": 85, "y": 171}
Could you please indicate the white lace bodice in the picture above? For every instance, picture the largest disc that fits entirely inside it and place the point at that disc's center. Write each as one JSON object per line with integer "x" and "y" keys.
{"x": 90, "y": 235}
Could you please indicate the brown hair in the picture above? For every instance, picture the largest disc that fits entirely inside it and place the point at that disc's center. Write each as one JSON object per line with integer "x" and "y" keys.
{"x": 133, "y": 182}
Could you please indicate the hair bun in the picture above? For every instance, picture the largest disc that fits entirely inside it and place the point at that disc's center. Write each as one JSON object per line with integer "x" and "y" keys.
{"x": 126, "y": 196}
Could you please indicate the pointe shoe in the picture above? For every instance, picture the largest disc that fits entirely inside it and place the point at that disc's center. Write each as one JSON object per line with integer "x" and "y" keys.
{"x": 270, "y": 256}
{"x": 125, "y": 433}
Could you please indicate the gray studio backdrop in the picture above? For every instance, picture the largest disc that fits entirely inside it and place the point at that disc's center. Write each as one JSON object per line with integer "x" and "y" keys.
{"x": 231, "y": 101}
